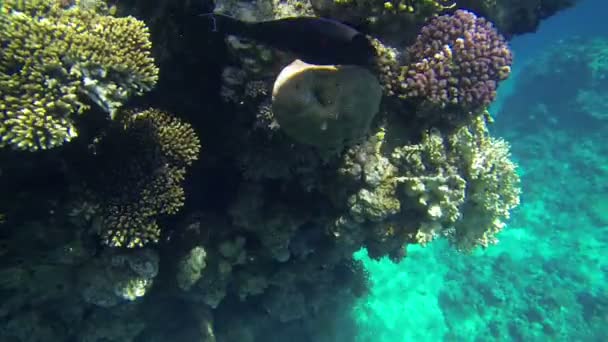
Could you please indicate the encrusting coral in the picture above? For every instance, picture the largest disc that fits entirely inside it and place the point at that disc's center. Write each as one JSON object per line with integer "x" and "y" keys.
{"x": 55, "y": 60}
{"x": 150, "y": 153}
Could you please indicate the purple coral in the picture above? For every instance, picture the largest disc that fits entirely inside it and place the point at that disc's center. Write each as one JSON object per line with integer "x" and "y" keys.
{"x": 456, "y": 59}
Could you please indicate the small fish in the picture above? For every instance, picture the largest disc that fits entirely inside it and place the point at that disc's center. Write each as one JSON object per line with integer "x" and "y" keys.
{"x": 313, "y": 40}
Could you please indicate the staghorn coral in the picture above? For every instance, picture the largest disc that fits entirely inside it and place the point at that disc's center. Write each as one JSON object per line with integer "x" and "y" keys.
{"x": 56, "y": 60}
{"x": 456, "y": 60}
{"x": 148, "y": 156}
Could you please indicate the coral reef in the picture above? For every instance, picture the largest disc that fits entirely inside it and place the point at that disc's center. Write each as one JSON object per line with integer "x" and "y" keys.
{"x": 55, "y": 61}
{"x": 464, "y": 183}
{"x": 299, "y": 172}
{"x": 393, "y": 21}
{"x": 116, "y": 277}
{"x": 152, "y": 150}
{"x": 375, "y": 10}
{"x": 518, "y": 289}
{"x": 456, "y": 60}
{"x": 461, "y": 186}
{"x": 190, "y": 268}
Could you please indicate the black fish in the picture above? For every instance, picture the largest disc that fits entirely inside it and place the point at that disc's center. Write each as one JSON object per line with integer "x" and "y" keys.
{"x": 313, "y": 40}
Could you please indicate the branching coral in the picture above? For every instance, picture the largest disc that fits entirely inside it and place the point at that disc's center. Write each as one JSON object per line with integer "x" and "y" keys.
{"x": 464, "y": 183}
{"x": 54, "y": 60}
{"x": 148, "y": 157}
{"x": 459, "y": 185}
{"x": 457, "y": 60}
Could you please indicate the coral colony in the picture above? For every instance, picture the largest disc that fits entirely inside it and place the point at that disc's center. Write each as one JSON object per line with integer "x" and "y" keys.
{"x": 311, "y": 163}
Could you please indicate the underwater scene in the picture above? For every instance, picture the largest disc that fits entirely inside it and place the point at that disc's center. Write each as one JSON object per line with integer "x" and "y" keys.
{"x": 303, "y": 170}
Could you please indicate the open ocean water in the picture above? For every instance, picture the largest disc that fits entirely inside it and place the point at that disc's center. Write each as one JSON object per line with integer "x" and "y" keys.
{"x": 547, "y": 278}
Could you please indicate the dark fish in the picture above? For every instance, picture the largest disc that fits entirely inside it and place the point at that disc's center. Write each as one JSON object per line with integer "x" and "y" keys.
{"x": 313, "y": 40}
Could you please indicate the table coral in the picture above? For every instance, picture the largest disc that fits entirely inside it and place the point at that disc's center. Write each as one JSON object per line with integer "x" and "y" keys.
{"x": 56, "y": 60}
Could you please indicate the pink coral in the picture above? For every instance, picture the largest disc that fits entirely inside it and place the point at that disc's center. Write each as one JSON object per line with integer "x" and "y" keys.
{"x": 456, "y": 59}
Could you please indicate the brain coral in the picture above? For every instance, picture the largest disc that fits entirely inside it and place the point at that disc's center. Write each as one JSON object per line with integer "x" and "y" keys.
{"x": 55, "y": 60}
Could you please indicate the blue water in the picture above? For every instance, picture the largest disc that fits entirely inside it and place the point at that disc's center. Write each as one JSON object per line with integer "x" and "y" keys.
{"x": 585, "y": 19}
{"x": 547, "y": 279}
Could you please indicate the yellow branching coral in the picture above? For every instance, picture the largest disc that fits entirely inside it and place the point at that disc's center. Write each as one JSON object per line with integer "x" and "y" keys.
{"x": 55, "y": 60}
{"x": 177, "y": 139}
{"x": 493, "y": 186}
{"x": 148, "y": 160}
{"x": 125, "y": 226}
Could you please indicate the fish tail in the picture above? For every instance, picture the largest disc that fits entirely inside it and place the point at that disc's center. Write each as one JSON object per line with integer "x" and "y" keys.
{"x": 226, "y": 24}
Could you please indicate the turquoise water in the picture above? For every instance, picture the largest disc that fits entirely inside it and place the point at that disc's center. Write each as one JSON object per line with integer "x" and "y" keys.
{"x": 547, "y": 279}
